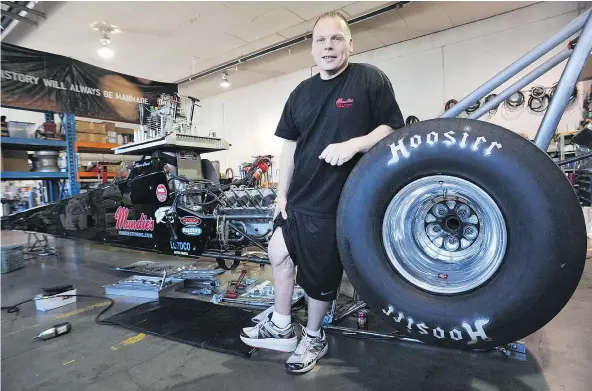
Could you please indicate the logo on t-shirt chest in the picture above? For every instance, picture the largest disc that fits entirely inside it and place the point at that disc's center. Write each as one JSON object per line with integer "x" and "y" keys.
{"x": 344, "y": 103}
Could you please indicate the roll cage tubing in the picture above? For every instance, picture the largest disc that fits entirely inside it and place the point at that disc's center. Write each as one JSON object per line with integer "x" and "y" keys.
{"x": 577, "y": 51}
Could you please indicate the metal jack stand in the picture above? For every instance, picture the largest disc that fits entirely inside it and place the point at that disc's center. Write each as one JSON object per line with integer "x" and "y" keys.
{"x": 515, "y": 350}
{"x": 40, "y": 245}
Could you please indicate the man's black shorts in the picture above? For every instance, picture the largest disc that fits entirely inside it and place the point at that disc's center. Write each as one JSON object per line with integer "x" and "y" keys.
{"x": 312, "y": 244}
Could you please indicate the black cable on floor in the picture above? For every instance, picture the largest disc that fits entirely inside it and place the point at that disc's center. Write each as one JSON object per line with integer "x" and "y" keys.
{"x": 15, "y": 308}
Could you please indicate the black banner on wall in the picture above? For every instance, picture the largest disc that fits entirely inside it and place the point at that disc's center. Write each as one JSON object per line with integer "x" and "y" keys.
{"x": 42, "y": 81}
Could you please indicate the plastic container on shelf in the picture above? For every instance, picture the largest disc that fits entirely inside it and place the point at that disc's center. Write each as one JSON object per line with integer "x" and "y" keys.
{"x": 21, "y": 129}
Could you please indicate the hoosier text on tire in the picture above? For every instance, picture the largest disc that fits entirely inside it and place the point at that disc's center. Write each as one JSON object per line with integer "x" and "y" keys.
{"x": 461, "y": 233}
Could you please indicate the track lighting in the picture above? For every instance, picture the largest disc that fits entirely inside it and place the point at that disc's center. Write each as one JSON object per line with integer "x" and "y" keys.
{"x": 225, "y": 83}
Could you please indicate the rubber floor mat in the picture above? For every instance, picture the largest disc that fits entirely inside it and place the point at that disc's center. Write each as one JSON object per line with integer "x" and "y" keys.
{"x": 193, "y": 322}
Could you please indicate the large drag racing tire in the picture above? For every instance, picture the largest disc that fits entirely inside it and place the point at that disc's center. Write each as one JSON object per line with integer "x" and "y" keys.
{"x": 461, "y": 233}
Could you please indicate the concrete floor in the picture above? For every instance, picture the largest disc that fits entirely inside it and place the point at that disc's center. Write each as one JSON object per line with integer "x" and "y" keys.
{"x": 95, "y": 357}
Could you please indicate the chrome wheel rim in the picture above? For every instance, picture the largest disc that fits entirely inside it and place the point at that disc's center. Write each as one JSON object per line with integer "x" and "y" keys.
{"x": 444, "y": 234}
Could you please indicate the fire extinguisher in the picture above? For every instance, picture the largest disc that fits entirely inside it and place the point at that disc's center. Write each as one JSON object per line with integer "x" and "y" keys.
{"x": 262, "y": 168}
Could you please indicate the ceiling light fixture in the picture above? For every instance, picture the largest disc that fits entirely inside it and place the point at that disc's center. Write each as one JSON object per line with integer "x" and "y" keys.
{"x": 225, "y": 83}
{"x": 105, "y": 51}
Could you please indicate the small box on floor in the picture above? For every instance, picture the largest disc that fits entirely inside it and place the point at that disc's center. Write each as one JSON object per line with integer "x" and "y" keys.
{"x": 12, "y": 258}
{"x": 46, "y": 303}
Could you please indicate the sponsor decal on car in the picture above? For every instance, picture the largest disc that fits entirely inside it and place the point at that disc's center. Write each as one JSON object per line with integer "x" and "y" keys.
{"x": 191, "y": 231}
{"x": 161, "y": 193}
{"x": 144, "y": 164}
{"x": 139, "y": 228}
{"x": 180, "y": 248}
{"x": 190, "y": 220}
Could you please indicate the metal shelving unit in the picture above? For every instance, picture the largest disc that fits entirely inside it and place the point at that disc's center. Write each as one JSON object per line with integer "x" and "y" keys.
{"x": 31, "y": 175}
{"x": 94, "y": 175}
{"x": 561, "y": 149}
{"x": 71, "y": 156}
{"x": 31, "y": 144}
{"x": 51, "y": 180}
{"x": 90, "y": 147}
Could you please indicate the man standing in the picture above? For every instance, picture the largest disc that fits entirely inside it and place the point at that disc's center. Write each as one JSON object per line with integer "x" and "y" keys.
{"x": 328, "y": 121}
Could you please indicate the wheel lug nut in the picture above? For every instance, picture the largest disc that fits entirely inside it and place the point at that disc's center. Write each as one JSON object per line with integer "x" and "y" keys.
{"x": 470, "y": 232}
{"x": 451, "y": 243}
{"x": 434, "y": 229}
{"x": 440, "y": 210}
{"x": 463, "y": 211}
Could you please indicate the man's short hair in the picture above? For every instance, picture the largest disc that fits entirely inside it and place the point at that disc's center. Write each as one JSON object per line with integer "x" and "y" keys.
{"x": 334, "y": 14}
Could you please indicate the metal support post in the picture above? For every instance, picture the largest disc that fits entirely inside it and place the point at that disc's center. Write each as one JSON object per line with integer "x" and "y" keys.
{"x": 50, "y": 191}
{"x": 72, "y": 158}
{"x": 51, "y": 187}
{"x": 535, "y": 74}
{"x": 565, "y": 88}
{"x": 40, "y": 246}
{"x": 574, "y": 159}
{"x": 518, "y": 65}
{"x": 64, "y": 189}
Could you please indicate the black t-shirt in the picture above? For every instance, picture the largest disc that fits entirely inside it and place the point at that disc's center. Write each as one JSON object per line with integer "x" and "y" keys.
{"x": 322, "y": 112}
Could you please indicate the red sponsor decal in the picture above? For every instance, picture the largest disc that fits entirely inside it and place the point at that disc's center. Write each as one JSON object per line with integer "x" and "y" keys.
{"x": 340, "y": 103}
{"x": 142, "y": 224}
{"x": 161, "y": 193}
{"x": 190, "y": 220}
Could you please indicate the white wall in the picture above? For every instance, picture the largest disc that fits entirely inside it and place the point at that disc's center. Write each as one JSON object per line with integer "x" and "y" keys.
{"x": 24, "y": 116}
{"x": 247, "y": 118}
{"x": 425, "y": 73}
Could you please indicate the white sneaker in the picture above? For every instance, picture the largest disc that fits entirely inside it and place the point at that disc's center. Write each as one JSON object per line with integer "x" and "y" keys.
{"x": 263, "y": 315}
{"x": 309, "y": 351}
{"x": 266, "y": 335}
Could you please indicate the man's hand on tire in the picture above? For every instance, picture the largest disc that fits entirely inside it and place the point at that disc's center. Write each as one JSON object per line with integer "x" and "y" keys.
{"x": 280, "y": 207}
{"x": 337, "y": 154}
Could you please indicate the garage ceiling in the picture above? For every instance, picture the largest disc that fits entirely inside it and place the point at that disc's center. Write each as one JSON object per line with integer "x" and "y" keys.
{"x": 168, "y": 41}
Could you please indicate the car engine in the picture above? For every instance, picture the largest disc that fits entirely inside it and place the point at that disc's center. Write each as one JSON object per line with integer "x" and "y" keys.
{"x": 240, "y": 213}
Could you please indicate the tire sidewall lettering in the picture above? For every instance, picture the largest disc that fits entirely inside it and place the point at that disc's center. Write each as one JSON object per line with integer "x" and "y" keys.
{"x": 468, "y": 333}
{"x": 404, "y": 146}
